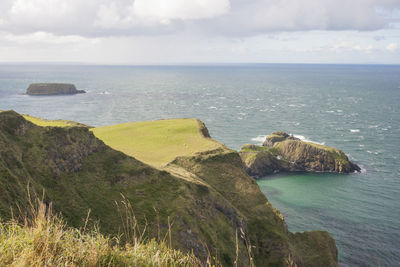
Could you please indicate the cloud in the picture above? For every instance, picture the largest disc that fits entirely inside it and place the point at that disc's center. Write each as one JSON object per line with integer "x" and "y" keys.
{"x": 164, "y": 11}
{"x": 392, "y": 47}
{"x": 46, "y": 38}
{"x": 235, "y": 18}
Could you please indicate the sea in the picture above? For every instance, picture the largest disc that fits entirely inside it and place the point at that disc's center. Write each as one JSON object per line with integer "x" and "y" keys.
{"x": 352, "y": 107}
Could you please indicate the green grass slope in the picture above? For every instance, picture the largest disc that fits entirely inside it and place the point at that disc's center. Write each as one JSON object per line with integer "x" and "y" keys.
{"x": 157, "y": 142}
{"x": 79, "y": 172}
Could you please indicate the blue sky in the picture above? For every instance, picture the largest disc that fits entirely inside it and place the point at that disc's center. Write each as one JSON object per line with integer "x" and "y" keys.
{"x": 200, "y": 31}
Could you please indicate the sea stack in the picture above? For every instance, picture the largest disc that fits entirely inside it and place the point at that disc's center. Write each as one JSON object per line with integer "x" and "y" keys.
{"x": 284, "y": 152}
{"x": 53, "y": 89}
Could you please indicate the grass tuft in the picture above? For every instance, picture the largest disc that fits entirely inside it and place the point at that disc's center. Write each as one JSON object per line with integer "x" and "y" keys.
{"x": 44, "y": 240}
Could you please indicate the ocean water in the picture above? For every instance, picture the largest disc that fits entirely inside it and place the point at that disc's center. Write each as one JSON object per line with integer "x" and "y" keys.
{"x": 355, "y": 108}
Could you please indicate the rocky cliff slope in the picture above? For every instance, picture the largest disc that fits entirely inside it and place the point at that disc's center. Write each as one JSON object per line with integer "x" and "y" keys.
{"x": 209, "y": 199}
{"x": 282, "y": 152}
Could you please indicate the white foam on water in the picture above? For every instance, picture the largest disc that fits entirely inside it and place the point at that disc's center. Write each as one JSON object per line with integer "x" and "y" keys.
{"x": 212, "y": 107}
{"x": 363, "y": 169}
{"x": 259, "y": 139}
{"x": 354, "y": 130}
{"x": 303, "y": 138}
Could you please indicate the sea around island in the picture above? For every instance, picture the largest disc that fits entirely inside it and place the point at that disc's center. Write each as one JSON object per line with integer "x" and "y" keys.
{"x": 355, "y": 108}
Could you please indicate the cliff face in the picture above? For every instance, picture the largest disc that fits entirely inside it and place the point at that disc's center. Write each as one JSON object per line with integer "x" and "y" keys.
{"x": 208, "y": 196}
{"x": 281, "y": 152}
{"x": 52, "y": 89}
{"x": 261, "y": 227}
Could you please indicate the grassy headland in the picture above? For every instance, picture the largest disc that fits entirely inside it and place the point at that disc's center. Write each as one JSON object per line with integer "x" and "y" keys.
{"x": 157, "y": 142}
{"x": 215, "y": 206}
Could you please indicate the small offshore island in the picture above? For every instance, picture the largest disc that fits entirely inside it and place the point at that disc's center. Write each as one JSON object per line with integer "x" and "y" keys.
{"x": 53, "y": 89}
{"x": 169, "y": 170}
{"x": 283, "y": 152}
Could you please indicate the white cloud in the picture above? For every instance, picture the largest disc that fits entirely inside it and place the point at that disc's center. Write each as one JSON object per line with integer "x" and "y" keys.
{"x": 346, "y": 46}
{"x": 163, "y": 10}
{"x": 392, "y": 47}
{"x": 46, "y": 38}
{"x": 173, "y": 31}
{"x": 225, "y": 17}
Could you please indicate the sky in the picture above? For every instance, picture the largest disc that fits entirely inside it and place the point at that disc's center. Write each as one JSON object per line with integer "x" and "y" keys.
{"x": 137, "y": 32}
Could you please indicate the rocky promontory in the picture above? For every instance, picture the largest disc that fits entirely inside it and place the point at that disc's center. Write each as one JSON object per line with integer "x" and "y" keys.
{"x": 283, "y": 152}
{"x": 53, "y": 89}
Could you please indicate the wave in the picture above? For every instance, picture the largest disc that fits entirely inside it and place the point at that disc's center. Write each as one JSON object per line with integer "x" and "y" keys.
{"x": 259, "y": 139}
{"x": 354, "y": 130}
{"x": 105, "y": 93}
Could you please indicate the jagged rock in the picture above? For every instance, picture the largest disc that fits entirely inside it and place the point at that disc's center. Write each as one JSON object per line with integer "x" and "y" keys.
{"x": 283, "y": 152}
{"x": 52, "y": 89}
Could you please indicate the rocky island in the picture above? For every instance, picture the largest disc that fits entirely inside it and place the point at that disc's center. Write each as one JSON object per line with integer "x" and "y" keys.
{"x": 53, "y": 89}
{"x": 283, "y": 152}
{"x": 171, "y": 171}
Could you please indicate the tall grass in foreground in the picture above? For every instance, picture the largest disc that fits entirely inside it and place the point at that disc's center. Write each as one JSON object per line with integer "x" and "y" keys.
{"x": 43, "y": 239}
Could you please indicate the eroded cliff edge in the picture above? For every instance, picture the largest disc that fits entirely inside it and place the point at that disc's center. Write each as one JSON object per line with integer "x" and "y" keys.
{"x": 283, "y": 152}
{"x": 207, "y": 194}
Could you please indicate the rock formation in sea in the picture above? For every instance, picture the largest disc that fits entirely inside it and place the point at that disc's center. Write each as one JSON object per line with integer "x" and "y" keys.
{"x": 283, "y": 152}
{"x": 52, "y": 89}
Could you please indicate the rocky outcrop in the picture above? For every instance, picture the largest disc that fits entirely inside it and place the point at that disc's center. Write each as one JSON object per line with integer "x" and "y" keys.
{"x": 52, "y": 89}
{"x": 283, "y": 152}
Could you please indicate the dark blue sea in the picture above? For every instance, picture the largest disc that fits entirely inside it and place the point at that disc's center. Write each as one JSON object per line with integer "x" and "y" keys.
{"x": 353, "y": 107}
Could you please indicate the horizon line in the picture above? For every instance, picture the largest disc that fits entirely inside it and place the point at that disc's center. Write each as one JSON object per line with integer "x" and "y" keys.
{"x": 69, "y": 63}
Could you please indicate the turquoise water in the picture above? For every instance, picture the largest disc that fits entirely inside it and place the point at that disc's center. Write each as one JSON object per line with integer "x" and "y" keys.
{"x": 355, "y": 108}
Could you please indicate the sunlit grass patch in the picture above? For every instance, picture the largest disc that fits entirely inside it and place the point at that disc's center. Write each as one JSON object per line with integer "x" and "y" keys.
{"x": 157, "y": 142}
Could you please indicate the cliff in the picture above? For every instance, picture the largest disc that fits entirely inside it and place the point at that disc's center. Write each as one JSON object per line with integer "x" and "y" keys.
{"x": 282, "y": 152}
{"x": 52, "y": 89}
{"x": 207, "y": 195}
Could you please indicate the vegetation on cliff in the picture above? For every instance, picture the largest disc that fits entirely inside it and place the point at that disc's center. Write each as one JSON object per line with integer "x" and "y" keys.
{"x": 206, "y": 195}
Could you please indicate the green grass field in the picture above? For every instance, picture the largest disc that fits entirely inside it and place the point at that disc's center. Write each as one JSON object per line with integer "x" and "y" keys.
{"x": 157, "y": 142}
